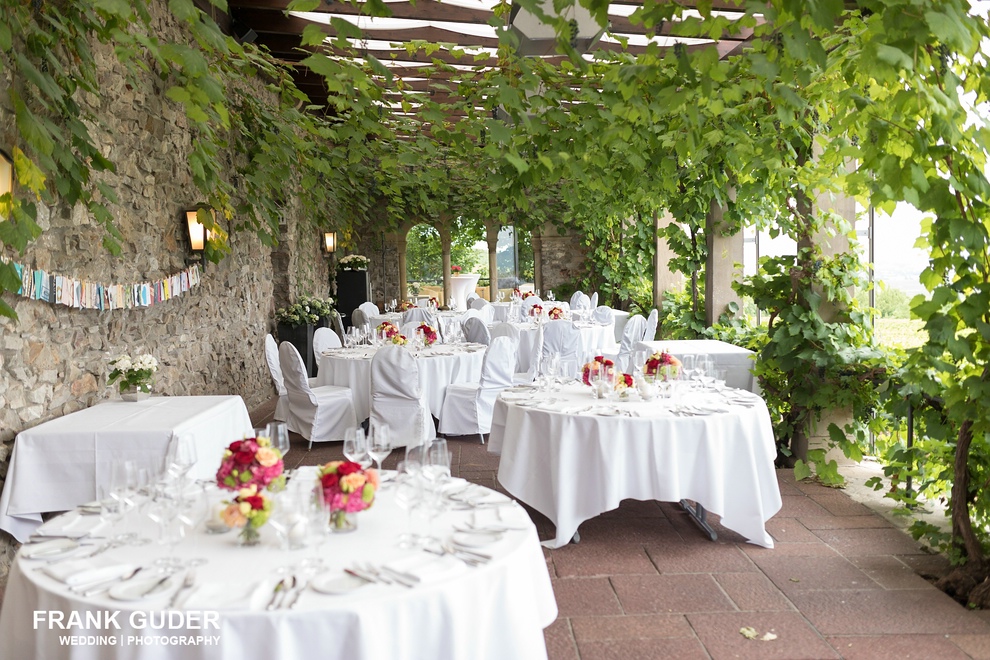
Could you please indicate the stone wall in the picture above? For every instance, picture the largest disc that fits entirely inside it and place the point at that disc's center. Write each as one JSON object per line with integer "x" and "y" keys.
{"x": 562, "y": 257}
{"x": 53, "y": 360}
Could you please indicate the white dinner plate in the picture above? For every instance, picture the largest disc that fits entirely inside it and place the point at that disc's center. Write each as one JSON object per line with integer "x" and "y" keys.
{"x": 135, "y": 589}
{"x": 336, "y": 584}
{"x": 53, "y": 549}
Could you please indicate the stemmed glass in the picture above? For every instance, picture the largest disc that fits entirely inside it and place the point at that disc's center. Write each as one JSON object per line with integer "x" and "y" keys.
{"x": 550, "y": 296}
{"x": 356, "y": 447}
{"x": 550, "y": 370}
{"x": 279, "y": 434}
{"x": 318, "y": 517}
{"x": 688, "y": 366}
{"x": 180, "y": 455}
{"x": 163, "y": 509}
{"x": 408, "y": 495}
{"x": 380, "y": 444}
{"x": 193, "y": 507}
{"x": 501, "y": 296}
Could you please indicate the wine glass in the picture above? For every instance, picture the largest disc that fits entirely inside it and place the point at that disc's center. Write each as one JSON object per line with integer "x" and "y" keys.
{"x": 180, "y": 455}
{"x": 408, "y": 494}
{"x": 318, "y": 518}
{"x": 279, "y": 434}
{"x": 356, "y": 447}
{"x": 193, "y": 508}
{"x": 380, "y": 444}
{"x": 436, "y": 465}
{"x": 163, "y": 509}
{"x": 501, "y": 296}
{"x": 550, "y": 296}
{"x": 688, "y": 366}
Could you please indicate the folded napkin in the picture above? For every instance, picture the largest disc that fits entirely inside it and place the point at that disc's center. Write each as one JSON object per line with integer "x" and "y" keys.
{"x": 72, "y": 524}
{"x": 426, "y": 567}
{"x": 228, "y": 596}
{"x": 557, "y": 406}
{"x": 517, "y": 396}
{"x": 87, "y": 571}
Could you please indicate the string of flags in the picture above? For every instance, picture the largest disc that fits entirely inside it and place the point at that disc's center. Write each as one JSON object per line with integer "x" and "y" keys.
{"x": 68, "y": 291}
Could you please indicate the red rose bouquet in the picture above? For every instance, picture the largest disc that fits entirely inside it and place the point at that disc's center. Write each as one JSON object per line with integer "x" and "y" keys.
{"x": 346, "y": 488}
{"x": 527, "y": 294}
{"x": 535, "y": 310}
{"x": 555, "y": 313}
{"x": 596, "y": 366}
{"x": 251, "y": 462}
{"x": 455, "y": 270}
{"x": 249, "y": 510}
{"x": 655, "y": 365}
{"x": 429, "y": 334}
{"x": 399, "y": 340}
{"x": 406, "y": 306}
{"x": 387, "y": 330}
{"x": 622, "y": 381}
{"x": 434, "y": 302}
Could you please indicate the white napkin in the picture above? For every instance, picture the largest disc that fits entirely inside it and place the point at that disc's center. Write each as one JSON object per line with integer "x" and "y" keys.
{"x": 73, "y": 525}
{"x": 426, "y": 567}
{"x": 86, "y": 571}
{"x": 227, "y": 596}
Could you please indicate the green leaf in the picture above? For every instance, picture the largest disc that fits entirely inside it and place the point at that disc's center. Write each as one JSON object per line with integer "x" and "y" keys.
{"x": 894, "y": 57}
{"x": 313, "y": 35}
{"x": 521, "y": 166}
{"x": 801, "y": 470}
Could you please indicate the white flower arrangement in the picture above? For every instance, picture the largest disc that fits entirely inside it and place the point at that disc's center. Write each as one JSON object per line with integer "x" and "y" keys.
{"x": 355, "y": 262}
{"x": 133, "y": 372}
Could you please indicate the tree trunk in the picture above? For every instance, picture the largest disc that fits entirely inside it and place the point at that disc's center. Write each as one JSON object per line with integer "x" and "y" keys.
{"x": 962, "y": 526}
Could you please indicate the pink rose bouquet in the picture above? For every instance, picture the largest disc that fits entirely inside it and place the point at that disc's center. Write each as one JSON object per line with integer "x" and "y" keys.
{"x": 251, "y": 462}
{"x": 387, "y": 329}
{"x": 346, "y": 488}
{"x": 429, "y": 334}
{"x": 598, "y": 365}
{"x": 656, "y": 363}
{"x": 555, "y": 313}
{"x": 535, "y": 310}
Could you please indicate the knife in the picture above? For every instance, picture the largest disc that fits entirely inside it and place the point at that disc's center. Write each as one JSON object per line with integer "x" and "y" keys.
{"x": 150, "y": 590}
{"x": 275, "y": 593}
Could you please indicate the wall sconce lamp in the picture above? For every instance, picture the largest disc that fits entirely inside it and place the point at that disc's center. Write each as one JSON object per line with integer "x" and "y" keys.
{"x": 198, "y": 234}
{"x": 329, "y": 242}
{"x": 6, "y": 174}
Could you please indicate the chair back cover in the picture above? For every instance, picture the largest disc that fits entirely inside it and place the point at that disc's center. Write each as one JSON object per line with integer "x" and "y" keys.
{"x": 419, "y": 315}
{"x": 505, "y": 330}
{"x": 603, "y": 314}
{"x": 499, "y": 364}
{"x": 529, "y": 302}
{"x": 632, "y": 334}
{"x": 396, "y": 398}
{"x": 470, "y": 314}
{"x": 358, "y": 318}
{"x": 409, "y": 329}
{"x": 323, "y": 339}
{"x": 471, "y": 297}
{"x": 594, "y": 301}
{"x": 651, "y": 325}
{"x": 369, "y": 309}
{"x": 575, "y": 299}
{"x": 476, "y": 332}
{"x": 478, "y": 303}
{"x": 486, "y": 313}
{"x": 338, "y": 324}
{"x": 271, "y": 356}
{"x": 295, "y": 376}
{"x": 563, "y": 338}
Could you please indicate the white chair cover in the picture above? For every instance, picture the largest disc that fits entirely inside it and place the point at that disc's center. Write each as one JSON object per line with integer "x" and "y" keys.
{"x": 369, "y": 309}
{"x": 505, "y": 330}
{"x": 397, "y": 400}
{"x": 419, "y": 315}
{"x": 470, "y": 314}
{"x": 635, "y": 327}
{"x": 563, "y": 338}
{"x": 467, "y": 408}
{"x": 594, "y": 301}
{"x": 320, "y": 413}
{"x": 487, "y": 313}
{"x": 576, "y": 298}
{"x": 271, "y": 356}
{"x": 603, "y": 314}
{"x": 476, "y": 331}
{"x": 478, "y": 303}
{"x": 581, "y": 301}
{"x": 471, "y": 297}
{"x": 651, "y": 325}
{"x": 409, "y": 329}
{"x": 324, "y": 339}
{"x": 529, "y": 302}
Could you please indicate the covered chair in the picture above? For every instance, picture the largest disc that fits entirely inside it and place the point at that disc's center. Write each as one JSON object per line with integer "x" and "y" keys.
{"x": 651, "y": 325}
{"x": 467, "y": 407}
{"x": 409, "y": 329}
{"x": 529, "y": 302}
{"x": 512, "y": 332}
{"x": 478, "y": 303}
{"x": 359, "y": 318}
{"x": 603, "y": 314}
{"x": 580, "y": 300}
{"x": 397, "y": 400}
{"x": 324, "y": 339}
{"x": 275, "y": 369}
{"x": 419, "y": 315}
{"x": 476, "y": 331}
{"x": 318, "y": 414}
{"x": 486, "y": 312}
{"x": 594, "y": 301}
{"x": 631, "y": 335}
{"x": 564, "y": 339}
{"x": 370, "y": 309}
{"x": 338, "y": 324}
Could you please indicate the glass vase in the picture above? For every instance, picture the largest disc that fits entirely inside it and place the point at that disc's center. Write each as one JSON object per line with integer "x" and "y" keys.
{"x": 249, "y": 536}
{"x": 342, "y": 522}
{"x": 136, "y": 393}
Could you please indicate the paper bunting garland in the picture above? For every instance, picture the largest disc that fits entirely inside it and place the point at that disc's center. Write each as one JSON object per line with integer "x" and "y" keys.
{"x": 62, "y": 290}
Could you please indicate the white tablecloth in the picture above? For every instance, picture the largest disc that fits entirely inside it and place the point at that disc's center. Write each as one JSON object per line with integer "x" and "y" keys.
{"x": 736, "y": 360}
{"x": 460, "y": 287}
{"x": 439, "y": 366}
{"x": 60, "y": 464}
{"x": 501, "y": 311}
{"x": 491, "y": 612}
{"x": 572, "y": 466}
{"x": 595, "y": 339}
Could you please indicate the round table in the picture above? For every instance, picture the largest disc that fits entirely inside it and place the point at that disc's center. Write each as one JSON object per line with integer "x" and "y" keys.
{"x": 595, "y": 339}
{"x": 497, "y": 610}
{"x": 439, "y": 366}
{"x": 572, "y": 457}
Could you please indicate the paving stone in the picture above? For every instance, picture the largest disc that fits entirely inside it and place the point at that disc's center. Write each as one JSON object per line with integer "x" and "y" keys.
{"x": 926, "y": 564}
{"x": 627, "y": 530}
{"x": 789, "y": 530}
{"x": 793, "y": 574}
{"x": 861, "y": 542}
{"x": 843, "y": 522}
{"x": 902, "y": 647}
{"x": 796, "y": 640}
{"x": 890, "y": 573}
{"x": 560, "y": 641}
{"x": 589, "y": 558}
{"x": 882, "y": 612}
{"x": 636, "y": 509}
{"x": 840, "y": 504}
{"x": 641, "y": 594}
{"x": 976, "y": 646}
{"x": 818, "y": 549}
{"x": 641, "y": 626}
{"x": 798, "y": 506}
{"x": 676, "y": 556}
{"x": 753, "y": 592}
{"x": 639, "y": 649}
{"x": 584, "y": 597}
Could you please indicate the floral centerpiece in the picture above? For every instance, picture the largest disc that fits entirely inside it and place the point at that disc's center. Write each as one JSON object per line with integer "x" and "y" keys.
{"x": 133, "y": 373}
{"x": 399, "y": 340}
{"x": 526, "y": 294}
{"x": 455, "y": 270}
{"x": 406, "y": 306}
{"x": 655, "y": 364}
{"x": 250, "y": 511}
{"x": 516, "y": 293}
{"x": 623, "y": 381}
{"x": 555, "y": 313}
{"x": 535, "y": 310}
{"x": 434, "y": 302}
{"x": 387, "y": 329}
{"x": 429, "y": 334}
{"x": 251, "y": 462}
{"x": 354, "y": 262}
{"x": 347, "y": 489}
{"x": 599, "y": 365}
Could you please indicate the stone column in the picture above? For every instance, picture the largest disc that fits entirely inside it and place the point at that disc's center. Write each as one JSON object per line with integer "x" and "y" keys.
{"x": 724, "y": 252}
{"x": 831, "y": 239}
{"x": 491, "y": 236}
{"x": 445, "y": 247}
{"x": 401, "y": 244}
{"x": 537, "y": 242}
{"x": 665, "y": 280}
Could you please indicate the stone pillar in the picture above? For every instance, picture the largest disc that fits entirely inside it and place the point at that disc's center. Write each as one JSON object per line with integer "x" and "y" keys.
{"x": 831, "y": 239}
{"x": 492, "y": 238}
{"x": 724, "y": 253}
{"x": 401, "y": 244}
{"x": 665, "y": 280}
{"x": 445, "y": 247}
{"x": 537, "y": 242}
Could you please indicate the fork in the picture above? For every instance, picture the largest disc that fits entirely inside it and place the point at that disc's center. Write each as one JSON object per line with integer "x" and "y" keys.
{"x": 187, "y": 583}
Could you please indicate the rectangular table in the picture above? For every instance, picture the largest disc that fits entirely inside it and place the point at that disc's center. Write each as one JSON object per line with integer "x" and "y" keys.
{"x": 736, "y": 360}
{"x": 60, "y": 464}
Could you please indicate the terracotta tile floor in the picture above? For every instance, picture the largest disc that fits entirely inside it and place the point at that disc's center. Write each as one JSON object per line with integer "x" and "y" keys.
{"x": 644, "y": 583}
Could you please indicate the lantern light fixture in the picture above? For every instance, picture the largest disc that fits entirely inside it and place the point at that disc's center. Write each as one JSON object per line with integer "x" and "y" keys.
{"x": 329, "y": 242}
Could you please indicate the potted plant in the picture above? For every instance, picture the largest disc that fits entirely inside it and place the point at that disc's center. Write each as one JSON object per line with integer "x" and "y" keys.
{"x": 296, "y": 324}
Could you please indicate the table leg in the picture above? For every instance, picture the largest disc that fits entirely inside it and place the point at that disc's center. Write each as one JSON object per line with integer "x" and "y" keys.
{"x": 697, "y": 513}
{"x": 576, "y": 538}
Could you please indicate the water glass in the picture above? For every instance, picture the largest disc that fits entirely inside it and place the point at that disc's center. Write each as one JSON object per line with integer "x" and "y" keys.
{"x": 180, "y": 455}
{"x": 279, "y": 434}
{"x": 356, "y": 447}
